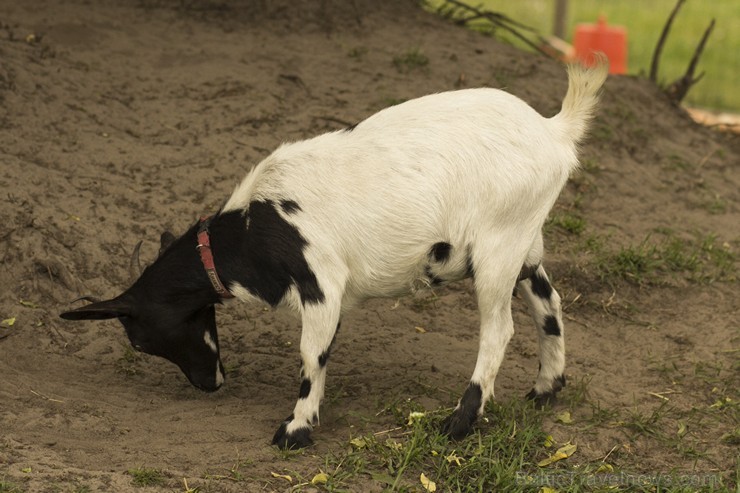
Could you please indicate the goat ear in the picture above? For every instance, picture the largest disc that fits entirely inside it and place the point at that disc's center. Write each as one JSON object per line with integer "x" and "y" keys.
{"x": 101, "y": 310}
{"x": 165, "y": 240}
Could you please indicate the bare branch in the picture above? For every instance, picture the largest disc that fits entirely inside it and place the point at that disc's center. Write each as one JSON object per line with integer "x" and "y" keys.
{"x": 661, "y": 42}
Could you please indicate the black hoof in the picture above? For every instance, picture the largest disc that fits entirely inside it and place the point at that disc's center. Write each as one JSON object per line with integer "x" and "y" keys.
{"x": 547, "y": 398}
{"x": 300, "y": 438}
{"x": 458, "y": 425}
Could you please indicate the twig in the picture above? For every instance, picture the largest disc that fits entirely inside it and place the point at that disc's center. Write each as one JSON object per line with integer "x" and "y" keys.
{"x": 502, "y": 21}
{"x": 45, "y": 396}
{"x": 677, "y": 91}
{"x": 661, "y": 42}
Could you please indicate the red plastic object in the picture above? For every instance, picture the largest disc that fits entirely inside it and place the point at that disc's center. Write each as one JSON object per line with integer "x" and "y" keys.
{"x": 611, "y": 40}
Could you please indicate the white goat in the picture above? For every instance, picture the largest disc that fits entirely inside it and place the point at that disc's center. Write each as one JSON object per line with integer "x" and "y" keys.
{"x": 436, "y": 189}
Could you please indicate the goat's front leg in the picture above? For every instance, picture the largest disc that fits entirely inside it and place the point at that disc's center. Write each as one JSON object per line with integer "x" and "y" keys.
{"x": 497, "y": 327}
{"x": 320, "y": 323}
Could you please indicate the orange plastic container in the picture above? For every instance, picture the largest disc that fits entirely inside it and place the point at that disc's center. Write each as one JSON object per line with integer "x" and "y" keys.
{"x": 611, "y": 40}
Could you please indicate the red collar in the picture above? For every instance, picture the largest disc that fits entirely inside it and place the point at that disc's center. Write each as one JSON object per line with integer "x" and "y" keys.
{"x": 206, "y": 256}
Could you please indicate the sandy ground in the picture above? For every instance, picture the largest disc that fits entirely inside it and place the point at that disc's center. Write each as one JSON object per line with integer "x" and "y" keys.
{"x": 121, "y": 119}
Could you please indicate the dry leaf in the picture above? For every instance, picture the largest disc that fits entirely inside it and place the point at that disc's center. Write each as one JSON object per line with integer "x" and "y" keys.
{"x": 562, "y": 453}
{"x": 549, "y": 441}
{"x": 454, "y": 458}
{"x": 320, "y": 478}
{"x": 282, "y": 476}
{"x": 547, "y": 489}
{"x": 564, "y": 417}
{"x": 420, "y": 330}
{"x": 8, "y": 322}
{"x": 427, "y": 483}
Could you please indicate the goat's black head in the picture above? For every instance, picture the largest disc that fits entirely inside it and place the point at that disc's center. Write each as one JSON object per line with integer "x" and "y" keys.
{"x": 169, "y": 312}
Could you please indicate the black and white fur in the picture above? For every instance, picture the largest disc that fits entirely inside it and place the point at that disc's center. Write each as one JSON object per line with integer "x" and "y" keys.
{"x": 437, "y": 189}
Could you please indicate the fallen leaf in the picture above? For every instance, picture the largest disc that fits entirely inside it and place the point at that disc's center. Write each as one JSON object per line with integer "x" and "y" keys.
{"x": 29, "y": 304}
{"x": 547, "y": 489}
{"x": 320, "y": 478}
{"x": 605, "y": 468}
{"x": 549, "y": 441}
{"x": 454, "y": 458}
{"x": 427, "y": 483}
{"x": 8, "y": 322}
{"x": 564, "y": 418}
{"x": 420, "y": 330}
{"x": 26, "y": 470}
{"x": 681, "y": 429}
{"x": 562, "y": 453}
{"x": 282, "y": 476}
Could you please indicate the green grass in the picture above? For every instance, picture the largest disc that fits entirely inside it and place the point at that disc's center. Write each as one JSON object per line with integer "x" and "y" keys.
{"x": 508, "y": 447}
{"x": 644, "y": 22}
{"x": 410, "y": 60}
{"x": 658, "y": 260}
{"x": 144, "y": 476}
{"x": 7, "y": 487}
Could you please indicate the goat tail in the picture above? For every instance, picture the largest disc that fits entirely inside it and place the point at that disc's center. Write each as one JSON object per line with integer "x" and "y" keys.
{"x": 580, "y": 101}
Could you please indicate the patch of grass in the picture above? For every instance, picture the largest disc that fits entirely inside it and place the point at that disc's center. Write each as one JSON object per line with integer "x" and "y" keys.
{"x": 411, "y": 60}
{"x": 145, "y": 476}
{"x": 699, "y": 259}
{"x": 570, "y": 223}
{"x": 7, "y": 487}
{"x": 129, "y": 361}
{"x": 488, "y": 460}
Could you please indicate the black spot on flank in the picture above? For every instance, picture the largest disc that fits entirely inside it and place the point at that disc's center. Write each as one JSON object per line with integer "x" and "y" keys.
{"x": 541, "y": 286}
{"x": 268, "y": 258}
{"x": 305, "y": 388}
{"x": 290, "y": 206}
{"x": 551, "y": 326}
{"x": 440, "y": 252}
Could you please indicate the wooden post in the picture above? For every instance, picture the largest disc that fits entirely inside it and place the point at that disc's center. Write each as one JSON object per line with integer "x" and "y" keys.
{"x": 560, "y": 19}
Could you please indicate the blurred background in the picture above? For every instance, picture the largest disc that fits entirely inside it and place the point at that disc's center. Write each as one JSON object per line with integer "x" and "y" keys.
{"x": 644, "y": 21}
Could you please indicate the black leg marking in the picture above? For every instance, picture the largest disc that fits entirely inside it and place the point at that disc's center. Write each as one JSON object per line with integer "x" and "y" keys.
{"x": 527, "y": 272}
{"x": 305, "y": 388}
{"x": 460, "y": 422}
{"x": 540, "y": 286}
{"x": 324, "y": 357}
{"x": 433, "y": 280}
{"x": 290, "y": 206}
{"x": 314, "y": 419}
{"x": 551, "y": 326}
{"x": 549, "y": 397}
{"x": 299, "y": 439}
{"x": 440, "y": 252}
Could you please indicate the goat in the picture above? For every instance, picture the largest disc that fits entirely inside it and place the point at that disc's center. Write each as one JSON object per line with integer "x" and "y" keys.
{"x": 437, "y": 189}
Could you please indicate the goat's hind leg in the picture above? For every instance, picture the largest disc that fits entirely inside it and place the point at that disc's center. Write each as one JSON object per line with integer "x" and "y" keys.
{"x": 544, "y": 306}
{"x": 497, "y": 327}
{"x": 320, "y": 323}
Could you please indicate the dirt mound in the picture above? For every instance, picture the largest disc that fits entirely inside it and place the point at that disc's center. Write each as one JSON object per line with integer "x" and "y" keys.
{"x": 119, "y": 120}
